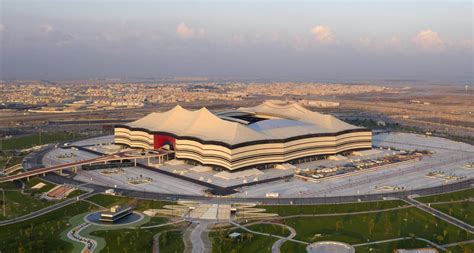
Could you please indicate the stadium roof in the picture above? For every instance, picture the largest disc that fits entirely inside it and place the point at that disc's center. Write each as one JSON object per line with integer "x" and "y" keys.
{"x": 274, "y": 122}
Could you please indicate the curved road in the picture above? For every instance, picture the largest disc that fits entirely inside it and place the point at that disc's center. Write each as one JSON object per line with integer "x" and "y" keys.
{"x": 74, "y": 234}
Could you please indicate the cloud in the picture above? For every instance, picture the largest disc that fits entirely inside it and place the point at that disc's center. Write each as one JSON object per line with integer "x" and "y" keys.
{"x": 365, "y": 42}
{"x": 46, "y": 28}
{"x": 429, "y": 40}
{"x": 2, "y": 28}
{"x": 186, "y": 32}
{"x": 322, "y": 34}
{"x": 467, "y": 44}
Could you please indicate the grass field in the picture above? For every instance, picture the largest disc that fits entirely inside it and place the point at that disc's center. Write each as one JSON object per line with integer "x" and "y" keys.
{"x": 286, "y": 210}
{"x": 156, "y": 221}
{"x": 221, "y": 243}
{"x": 41, "y": 234}
{"x": 140, "y": 204}
{"x": 466, "y": 248}
{"x": 460, "y": 210}
{"x": 18, "y": 203}
{"x": 452, "y": 196}
{"x": 389, "y": 246}
{"x": 31, "y": 140}
{"x": 171, "y": 241}
{"x": 133, "y": 240}
{"x": 362, "y": 228}
{"x": 8, "y": 159}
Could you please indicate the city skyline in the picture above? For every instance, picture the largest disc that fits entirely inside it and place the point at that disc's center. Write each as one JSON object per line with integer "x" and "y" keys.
{"x": 341, "y": 40}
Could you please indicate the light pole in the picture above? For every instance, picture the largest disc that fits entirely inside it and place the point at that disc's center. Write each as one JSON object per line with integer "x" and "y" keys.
{"x": 4, "y": 202}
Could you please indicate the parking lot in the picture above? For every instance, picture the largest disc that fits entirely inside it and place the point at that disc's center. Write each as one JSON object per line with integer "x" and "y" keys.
{"x": 445, "y": 157}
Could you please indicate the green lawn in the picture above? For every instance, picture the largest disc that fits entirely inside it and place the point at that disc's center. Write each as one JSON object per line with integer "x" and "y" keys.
{"x": 460, "y": 210}
{"x": 362, "y": 228}
{"x": 249, "y": 242}
{"x": 390, "y": 246}
{"x": 141, "y": 204}
{"x": 171, "y": 241}
{"x": 464, "y": 248}
{"x": 156, "y": 221}
{"x": 41, "y": 234}
{"x": 286, "y": 210}
{"x": 18, "y": 203}
{"x": 131, "y": 240}
{"x": 452, "y": 196}
{"x": 31, "y": 140}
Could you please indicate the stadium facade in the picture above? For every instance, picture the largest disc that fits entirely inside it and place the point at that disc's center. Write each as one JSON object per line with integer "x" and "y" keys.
{"x": 251, "y": 137}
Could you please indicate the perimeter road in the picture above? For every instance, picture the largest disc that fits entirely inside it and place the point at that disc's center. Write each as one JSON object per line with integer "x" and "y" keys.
{"x": 422, "y": 206}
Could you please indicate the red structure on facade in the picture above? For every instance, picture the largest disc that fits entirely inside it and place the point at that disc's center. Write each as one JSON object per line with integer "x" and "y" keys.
{"x": 162, "y": 140}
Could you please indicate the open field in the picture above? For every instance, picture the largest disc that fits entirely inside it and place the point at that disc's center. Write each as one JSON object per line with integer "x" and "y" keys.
{"x": 389, "y": 246}
{"x": 361, "y": 228}
{"x": 31, "y": 140}
{"x": 451, "y": 196}
{"x": 171, "y": 241}
{"x": 285, "y": 210}
{"x": 41, "y": 234}
{"x": 19, "y": 203}
{"x": 133, "y": 240}
{"x": 465, "y": 248}
{"x": 460, "y": 210}
{"x": 221, "y": 243}
{"x": 140, "y": 204}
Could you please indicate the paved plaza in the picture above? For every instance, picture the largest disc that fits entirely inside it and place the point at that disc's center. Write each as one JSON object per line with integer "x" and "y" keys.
{"x": 449, "y": 158}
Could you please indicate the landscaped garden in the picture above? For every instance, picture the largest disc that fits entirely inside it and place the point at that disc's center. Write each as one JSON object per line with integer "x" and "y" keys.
{"x": 460, "y": 210}
{"x": 19, "y": 202}
{"x": 247, "y": 242}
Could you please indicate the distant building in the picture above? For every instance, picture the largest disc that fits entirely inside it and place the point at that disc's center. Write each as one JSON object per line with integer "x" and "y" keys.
{"x": 260, "y": 136}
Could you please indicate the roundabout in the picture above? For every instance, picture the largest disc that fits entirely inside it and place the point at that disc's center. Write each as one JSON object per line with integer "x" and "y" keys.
{"x": 330, "y": 247}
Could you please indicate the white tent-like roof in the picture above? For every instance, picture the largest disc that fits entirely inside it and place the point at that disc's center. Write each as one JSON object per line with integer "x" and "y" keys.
{"x": 284, "y": 121}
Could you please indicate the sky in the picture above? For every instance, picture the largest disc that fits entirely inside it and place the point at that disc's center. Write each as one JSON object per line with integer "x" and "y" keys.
{"x": 281, "y": 40}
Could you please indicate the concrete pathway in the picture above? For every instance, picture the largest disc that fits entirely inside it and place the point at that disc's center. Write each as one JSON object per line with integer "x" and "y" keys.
{"x": 156, "y": 243}
{"x": 277, "y": 245}
{"x": 199, "y": 238}
{"x": 188, "y": 245}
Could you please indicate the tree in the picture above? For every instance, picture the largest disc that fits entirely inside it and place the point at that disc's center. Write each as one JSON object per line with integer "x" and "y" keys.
{"x": 371, "y": 226}
{"x": 439, "y": 238}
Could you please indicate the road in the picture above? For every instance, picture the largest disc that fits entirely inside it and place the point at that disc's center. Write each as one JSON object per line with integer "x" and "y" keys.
{"x": 459, "y": 185}
{"x": 105, "y": 158}
{"x": 74, "y": 234}
{"x": 440, "y": 215}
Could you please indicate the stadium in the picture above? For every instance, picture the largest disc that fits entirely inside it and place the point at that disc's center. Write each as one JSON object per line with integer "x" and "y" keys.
{"x": 253, "y": 137}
